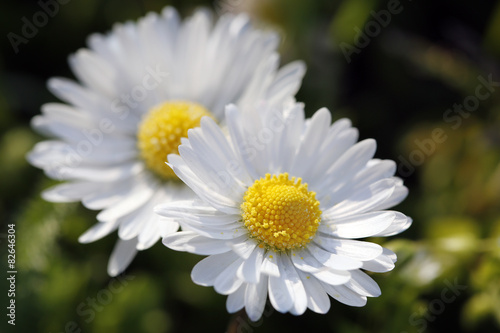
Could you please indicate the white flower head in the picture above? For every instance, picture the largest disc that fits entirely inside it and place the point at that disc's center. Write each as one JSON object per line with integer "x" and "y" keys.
{"x": 141, "y": 87}
{"x": 282, "y": 204}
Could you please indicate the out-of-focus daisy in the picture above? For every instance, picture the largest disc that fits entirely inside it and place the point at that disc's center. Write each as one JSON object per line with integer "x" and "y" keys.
{"x": 282, "y": 202}
{"x": 142, "y": 86}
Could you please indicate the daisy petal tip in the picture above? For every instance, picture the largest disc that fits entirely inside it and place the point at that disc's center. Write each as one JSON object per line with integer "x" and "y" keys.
{"x": 231, "y": 108}
{"x": 409, "y": 222}
{"x": 171, "y": 158}
{"x": 36, "y": 121}
{"x": 206, "y": 121}
{"x": 112, "y": 272}
{"x": 165, "y": 241}
{"x": 301, "y": 67}
{"x": 160, "y": 209}
{"x": 169, "y": 239}
{"x": 254, "y": 317}
{"x": 53, "y": 82}
{"x": 50, "y": 196}
{"x": 122, "y": 255}
{"x": 371, "y": 144}
{"x": 83, "y": 239}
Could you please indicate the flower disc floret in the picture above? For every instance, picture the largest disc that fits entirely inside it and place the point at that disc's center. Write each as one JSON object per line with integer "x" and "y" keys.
{"x": 160, "y": 133}
{"x": 281, "y": 213}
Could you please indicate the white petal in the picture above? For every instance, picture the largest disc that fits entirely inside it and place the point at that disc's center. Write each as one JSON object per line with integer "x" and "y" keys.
{"x": 350, "y": 163}
{"x": 211, "y": 143}
{"x": 189, "y": 241}
{"x": 285, "y": 150}
{"x": 317, "y": 298}
{"x": 214, "y": 218}
{"x": 358, "y": 226}
{"x": 69, "y": 192}
{"x": 333, "y": 148}
{"x": 244, "y": 249}
{"x": 306, "y": 262}
{"x": 381, "y": 264}
{"x": 66, "y": 114}
{"x": 281, "y": 291}
{"x": 132, "y": 224}
{"x": 314, "y": 135}
{"x": 400, "y": 193}
{"x": 186, "y": 211}
{"x": 286, "y": 83}
{"x": 260, "y": 80}
{"x": 142, "y": 190}
{"x": 345, "y": 295}
{"x": 363, "y": 285}
{"x": 236, "y": 301}
{"x": 122, "y": 255}
{"x": 333, "y": 260}
{"x": 93, "y": 71}
{"x": 150, "y": 234}
{"x": 364, "y": 200}
{"x": 98, "y": 231}
{"x": 185, "y": 206}
{"x": 332, "y": 277}
{"x": 206, "y": 271}
{"x": 227, "y": 282}
{"x": 255, "y": 298}
{"x": 400, "y": 224}
{"x": 90, "y": 150}
{"x": 375, "y": 171}
{"x": 228, "y": 231}
{"x": 166, "y": 226}
{"x": 79, "y": 96}
{"x": 245, "y": 153}
{"x": 251, "y": 268}
{"x": 295, "y": 284}
{"x": 354, "y": 249}
{"x": 69, "y": 129}
{"x": 205, "y": 191}
{"x": 269, "y": 264}
{"x": 210, "y": 172}
{"x": 108, "y": 194}
{"x": 95, "y": 174}
{"x": 147, "y": 226}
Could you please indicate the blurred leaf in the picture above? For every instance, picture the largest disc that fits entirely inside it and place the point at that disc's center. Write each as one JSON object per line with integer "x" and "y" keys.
{"x": 492, "y": 35}
{"x": 351, "y": 15}
{"x": 454, "y": 234}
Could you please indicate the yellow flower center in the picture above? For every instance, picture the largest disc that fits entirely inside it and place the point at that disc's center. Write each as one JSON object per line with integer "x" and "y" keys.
{"x": 160, "y": 133}
{"x": 281, "y": 213}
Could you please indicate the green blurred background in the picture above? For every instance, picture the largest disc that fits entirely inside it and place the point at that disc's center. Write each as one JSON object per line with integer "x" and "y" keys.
{"x": 396, "y": 83}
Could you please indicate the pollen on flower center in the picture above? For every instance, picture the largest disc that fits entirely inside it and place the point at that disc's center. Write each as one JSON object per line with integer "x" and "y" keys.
{"x": 281, "y": 213}
{"x": 160, "y": 133}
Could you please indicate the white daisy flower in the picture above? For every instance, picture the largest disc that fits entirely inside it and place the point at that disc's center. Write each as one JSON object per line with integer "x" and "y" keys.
{"x": 142, "y": 86}
{"x": 282, "y": 202}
